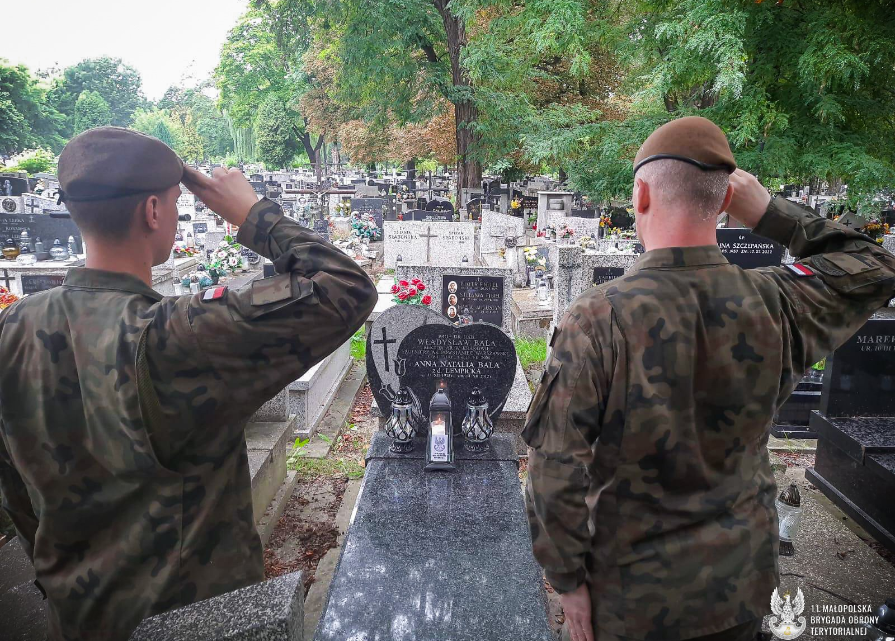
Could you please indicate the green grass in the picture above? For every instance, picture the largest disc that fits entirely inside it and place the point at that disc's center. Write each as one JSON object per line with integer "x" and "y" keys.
{"x": 531, "y": 351}
{"x": 359, "y": 345}
{"x": 314, "y": 467}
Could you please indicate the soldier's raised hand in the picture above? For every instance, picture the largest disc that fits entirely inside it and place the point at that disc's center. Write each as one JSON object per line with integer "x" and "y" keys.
{"x": 750, "y": 198}
{"x": 227, "y": 193}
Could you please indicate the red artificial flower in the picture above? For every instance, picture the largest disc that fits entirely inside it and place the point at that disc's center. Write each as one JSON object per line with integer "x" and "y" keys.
{"x": 421, "y": 287}
{"x": 402, "y": 296}
{"x": 412, "y": 291}
{"x": 416, "y": 281}
{"x": 427, "y": 299}
{"x": 535, "y": 227}
{"x": 403, "y": 283}
{"x": 395, "y": 289}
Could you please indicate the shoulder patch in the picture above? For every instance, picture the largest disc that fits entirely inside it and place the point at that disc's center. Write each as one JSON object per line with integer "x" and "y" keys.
{"x": 272, "y": 290}
{"x": 214, "y": 293}
{"x": 801, "y": 270}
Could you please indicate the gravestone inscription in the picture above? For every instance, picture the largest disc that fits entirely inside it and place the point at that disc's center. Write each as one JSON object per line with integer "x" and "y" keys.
{"x": 742, "y": 247}
{"x": 477, "y": 297}
{"x": 859, "y": 377}
{"x": 605, "y": 274}
{"x": 31, "y": 284}
{"x": 322, "y": 228}
{"x": 47, "y": 227}
{"x": 421, "y": 349}
{"x": 422, "y": 215}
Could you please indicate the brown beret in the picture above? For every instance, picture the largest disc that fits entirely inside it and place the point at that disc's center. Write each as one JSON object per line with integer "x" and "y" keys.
{"x": 692, "y": 139}
{"x": 111, "y": 162}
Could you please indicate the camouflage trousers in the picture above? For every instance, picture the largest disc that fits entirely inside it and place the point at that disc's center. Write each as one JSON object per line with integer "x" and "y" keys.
{"x": 744, "y": 632}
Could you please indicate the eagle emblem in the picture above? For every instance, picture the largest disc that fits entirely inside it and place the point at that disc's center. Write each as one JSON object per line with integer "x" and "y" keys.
{"x": 784, "y": 624}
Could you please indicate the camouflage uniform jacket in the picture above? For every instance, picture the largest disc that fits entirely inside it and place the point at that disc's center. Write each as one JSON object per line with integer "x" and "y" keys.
{"x": 649, "y": 473}
{"x": 125, "y": 517}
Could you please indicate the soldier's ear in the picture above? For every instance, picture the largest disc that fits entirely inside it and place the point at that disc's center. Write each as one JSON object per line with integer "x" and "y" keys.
{"x": 641, "y": 196}
{"x": 152, "y": 212}
{"x": 727, "y": 198}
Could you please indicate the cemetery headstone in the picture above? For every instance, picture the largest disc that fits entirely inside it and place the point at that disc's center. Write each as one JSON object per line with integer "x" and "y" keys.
{"x": 416, "y": 347}
{"x": 440, "y": 204}
{"x": 855, "y": 459}
{"x": 372, "y": 206}
{"x": 422, "y": 215}
{"x": 322, "y": 228}
{"x": 32, "y": 284}
{"x": 742, "y": 247}
{"x": 200, "y": 228}
{"x": 13, "y": 184}
{"x": 479, "y": 298}
{"x": 584, "y": 213}
{"x": 428, "y": 243}
{"x": 474, "y": 208}
{"x": 605, "y": 274}
{"x": 47, "y": 227}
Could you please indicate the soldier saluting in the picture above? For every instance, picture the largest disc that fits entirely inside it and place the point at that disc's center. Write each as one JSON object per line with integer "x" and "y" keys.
{"x": 650, "y": 495}
{"x": 123, "y": 461}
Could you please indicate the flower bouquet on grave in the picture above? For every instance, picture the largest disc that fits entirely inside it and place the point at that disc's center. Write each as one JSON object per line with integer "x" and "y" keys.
{"x": 876, "y": 229}
{"x": 531, "y": 256}
{"x": 227, "y": 257}
{"x": 365, "y": 226}
{"x": 605, "y": 221}
{"x": 566, "y": 232}
{"x": 182, "y": 251}
{"x": 7, "y": 298}
{"x": 410, "y": 293}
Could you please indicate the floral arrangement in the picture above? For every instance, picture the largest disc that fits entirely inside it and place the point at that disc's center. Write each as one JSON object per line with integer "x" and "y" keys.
{"x": 876, "y": 229}
{"x": 605, "y": 221}
{"x": 623, "y": 234}
{"x": 202, "y": 278}
{"x": 566, "y": 232}
{"x": 227, "y": 257}
{"x": 411, "y": 293}
{"x": 587, "y": 242}
{"x": 365, "y": 226}
{"x": 532, "y": 259}
{"x": 185, "y": 252}
{"x": 7, "y": 298}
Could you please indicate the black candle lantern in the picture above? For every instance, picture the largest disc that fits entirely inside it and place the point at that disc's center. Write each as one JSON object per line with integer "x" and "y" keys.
{"x": 477, "y": 425}
{"x": 400, "y": 425}
{"x": 440, "y": 443}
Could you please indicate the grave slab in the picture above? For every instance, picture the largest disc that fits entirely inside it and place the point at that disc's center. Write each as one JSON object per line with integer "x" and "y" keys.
{"x": 438, "y": 556}
{"x": 262, "y": 612}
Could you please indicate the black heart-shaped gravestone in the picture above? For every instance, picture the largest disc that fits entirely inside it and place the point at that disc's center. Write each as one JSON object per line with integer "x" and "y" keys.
{"x": 416, "y": 347}
{"x": 463, "y": 357}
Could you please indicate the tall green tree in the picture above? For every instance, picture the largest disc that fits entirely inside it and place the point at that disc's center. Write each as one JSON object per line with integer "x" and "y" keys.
{"x": 120, "y": 85}
{"x": 261, "y": 61}
{"x": 91, "y": 111}
{"x": 26, "y": 120}
{"x": 201, "y": 119}
{"x": 817, "y": 107}
{"x": 272, "y": 134}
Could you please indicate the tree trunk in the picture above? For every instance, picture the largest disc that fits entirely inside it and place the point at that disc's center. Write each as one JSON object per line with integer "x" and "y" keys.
{"x": 410, "y": 167}
{"x": 466, "y": 113}
{"x": 306, "y": 143}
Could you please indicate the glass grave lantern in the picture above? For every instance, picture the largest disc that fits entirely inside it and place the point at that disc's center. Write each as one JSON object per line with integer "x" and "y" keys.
{"x": 477, "y": 425}
{"x": 440, "y": 442}
{"x": 401, "y": 426}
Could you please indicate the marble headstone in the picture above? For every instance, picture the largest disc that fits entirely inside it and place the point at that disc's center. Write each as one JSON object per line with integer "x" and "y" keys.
{"x": 428, "y": 243}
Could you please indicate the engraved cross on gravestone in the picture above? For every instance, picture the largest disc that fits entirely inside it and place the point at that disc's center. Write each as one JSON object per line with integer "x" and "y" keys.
{"x": 428, "y": 236}
{"x": 6, "y": 279}
{"x": 385, "y": 342}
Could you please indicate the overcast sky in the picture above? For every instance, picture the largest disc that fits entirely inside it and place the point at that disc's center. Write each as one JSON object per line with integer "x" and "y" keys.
{"x": 163, "y": 39}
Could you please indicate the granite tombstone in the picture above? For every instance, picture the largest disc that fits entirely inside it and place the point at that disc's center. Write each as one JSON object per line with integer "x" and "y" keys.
{"x": 423, "y": 215}
{"x": 605, "y": 274}
{"x": 34, "y": 283}
{"x": 372, "y": 206}
{"x": 48, "y": 227}
{"x": 742, "y": 247}
{"x": 415, "y": 347}
{"x": 473, "y": 297}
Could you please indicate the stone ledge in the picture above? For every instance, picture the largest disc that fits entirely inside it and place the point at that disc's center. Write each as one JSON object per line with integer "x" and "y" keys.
{"x": 262, "y": 612}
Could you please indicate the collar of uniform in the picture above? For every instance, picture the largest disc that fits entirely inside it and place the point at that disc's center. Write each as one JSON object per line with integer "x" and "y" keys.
{"x": 101, "y": 279}
{"x": 704, "y": 255}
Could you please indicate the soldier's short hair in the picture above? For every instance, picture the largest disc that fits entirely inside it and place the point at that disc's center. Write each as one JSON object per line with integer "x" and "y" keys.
{"x": 687, "y": 187}
{"x": 110, "y": 219}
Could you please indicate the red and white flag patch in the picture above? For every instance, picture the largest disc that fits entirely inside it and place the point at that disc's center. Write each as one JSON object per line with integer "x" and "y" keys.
{"x": 801, "y": 270}
{"x": 214, "y": 293}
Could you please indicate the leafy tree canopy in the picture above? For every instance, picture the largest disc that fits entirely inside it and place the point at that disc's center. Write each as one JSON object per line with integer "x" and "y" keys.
{"x": 91, "y": 111}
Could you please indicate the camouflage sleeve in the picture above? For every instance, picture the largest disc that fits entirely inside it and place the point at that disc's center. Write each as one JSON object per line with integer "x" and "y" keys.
{"x": 849, "y": 278}
{"x": 562, "y": 425}
{"x": 248, "y": 345}
{"x": 16, "y": 501}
